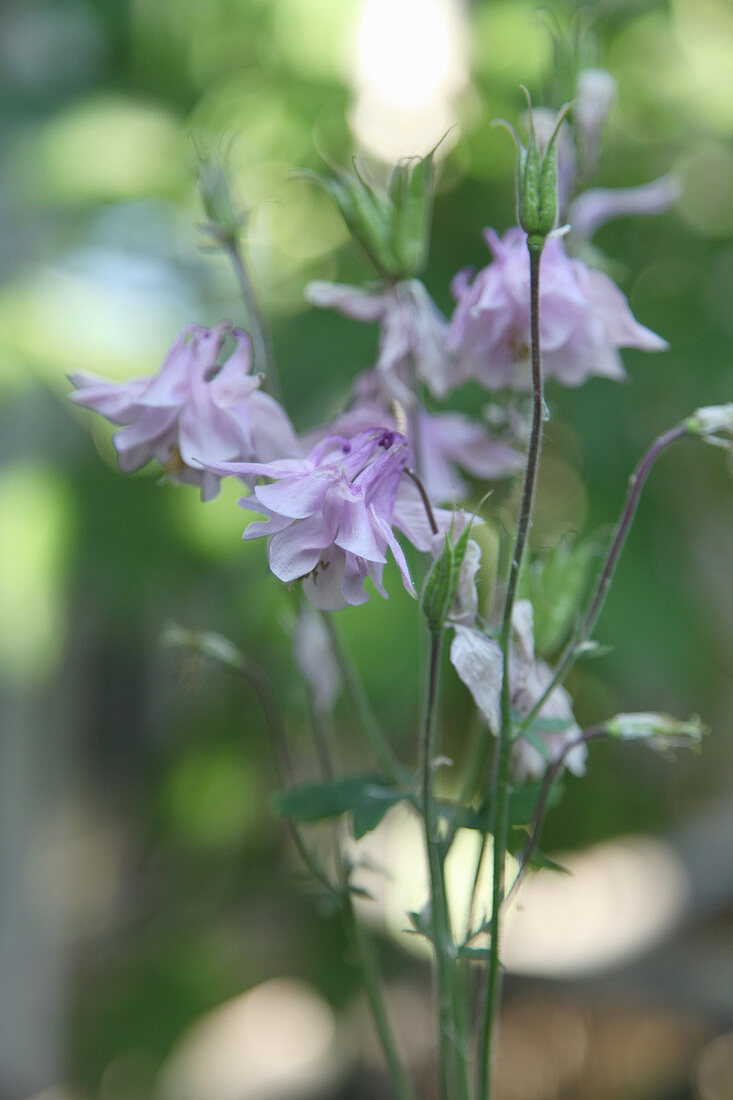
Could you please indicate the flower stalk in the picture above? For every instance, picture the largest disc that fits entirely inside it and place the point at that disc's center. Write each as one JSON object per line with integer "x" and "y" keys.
{"x": 501, "y": 787}
{"x": 263, "y": 352}
{"x": 452, "y": 1053}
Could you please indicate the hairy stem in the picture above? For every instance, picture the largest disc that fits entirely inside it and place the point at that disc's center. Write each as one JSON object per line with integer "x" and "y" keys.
{"x": 501, "y": 790}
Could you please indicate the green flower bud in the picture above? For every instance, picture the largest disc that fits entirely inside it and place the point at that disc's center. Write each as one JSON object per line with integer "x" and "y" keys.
{"x": 392, "y": 226}
{"x": 536, "y": 180}
{"x": 225, "y": 220}
{"x": 442, "y": 583}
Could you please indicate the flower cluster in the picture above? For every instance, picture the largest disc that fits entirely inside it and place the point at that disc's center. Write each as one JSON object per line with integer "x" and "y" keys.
{"x": 335, "y": 496}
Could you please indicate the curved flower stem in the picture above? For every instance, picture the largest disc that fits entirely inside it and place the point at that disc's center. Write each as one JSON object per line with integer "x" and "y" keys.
{"x": 452, "y": 1053}
{"x": 220, "y": 650}
{"x": 415, "y": 478}
{"x": 501, "y": 790}
{"x": 552, "y": 772}
{"x": 597, "y": 599}
{"x": 373, "y": 731}
{"x": 263, "y": 354}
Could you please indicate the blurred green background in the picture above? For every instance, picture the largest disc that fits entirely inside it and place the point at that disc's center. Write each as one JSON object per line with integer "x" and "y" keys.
{"x": 143, "y": 879}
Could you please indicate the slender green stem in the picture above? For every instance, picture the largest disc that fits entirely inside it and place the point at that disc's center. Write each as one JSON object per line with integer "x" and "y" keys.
{"x": 362, "y": 942}
{"x": 364, "y": 947}
{"x": 263, "y": 353}
{"x": 605, "y": 576}
{"x": 373, "y": 731}
{"x": 452, "y": 1053}
{"x": 501, "y": 793}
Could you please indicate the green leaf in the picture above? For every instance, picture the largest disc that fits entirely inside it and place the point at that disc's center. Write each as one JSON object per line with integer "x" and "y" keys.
{"x": 366, "y": 797}
{"x": 478, "y": 954}
{"x": 556, "y": 582}
{"x": 516, "y": 845}
{"x": 523, "y": 801}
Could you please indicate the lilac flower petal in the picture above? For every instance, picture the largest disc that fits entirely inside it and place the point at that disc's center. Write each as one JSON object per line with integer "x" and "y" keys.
{"x": 399, "y": 556}
{"x": 271, "y": 431}
{"x": 234, "y": 382}
{"x": 135, "y": 444}
{"x": 117, "y": 402}
{"x": 205, "y": 432}
{"x": 295, "y": 497}
{"x": 170, "y": 385}
{"x": 356, "y": 571}
{"x": 356, "y": 532}
{"x": 323, "y": 587}
{"x": 353, "y": 301}
{"x": 593, "y": 208}
{"x": 297, "y": 549}
{"x": 284, "y": 467}
{"x": 615, "y": 315}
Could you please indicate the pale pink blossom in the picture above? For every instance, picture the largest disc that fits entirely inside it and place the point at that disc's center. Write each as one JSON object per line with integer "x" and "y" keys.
{"x": 329, "y": 516}
{"x": 412, "y": 332}
{"x": 584, "y": 319}
{"x": 193, "y": 411}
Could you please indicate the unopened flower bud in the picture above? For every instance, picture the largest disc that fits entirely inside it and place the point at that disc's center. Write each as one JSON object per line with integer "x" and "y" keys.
{"x": 224, "y": 219}
{"x": 660, "y": 732}
{"x": 537, "y": 181}
{"x": 442, "y": 584}
{"x": 392, "y": 226}
{"x": 714, "y": 424}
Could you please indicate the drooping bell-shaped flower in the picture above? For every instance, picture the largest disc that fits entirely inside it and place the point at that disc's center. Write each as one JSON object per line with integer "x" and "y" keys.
{"x": 477, "y": 659}
{"x": 529, "y": 677}
{"x": 441, "y": 444}
{"x": 584, "y": 318}
{"x": 193, "y": 411}
{"x": 412, "y": 336}
{"x": 330, "y": 515}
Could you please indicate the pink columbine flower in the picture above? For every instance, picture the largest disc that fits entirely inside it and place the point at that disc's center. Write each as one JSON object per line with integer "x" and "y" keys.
{"x": 193, "y": 411}
{"x": 412, "y": 338}
{"x": 441, "y": 444}
{"x": 584, "y": 318}
{"x": 330, "y": 515}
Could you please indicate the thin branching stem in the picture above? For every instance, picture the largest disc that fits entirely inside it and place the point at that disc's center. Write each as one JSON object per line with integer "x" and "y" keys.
{"x": 540, "y": 812}
{"x": 595, "y": 604}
